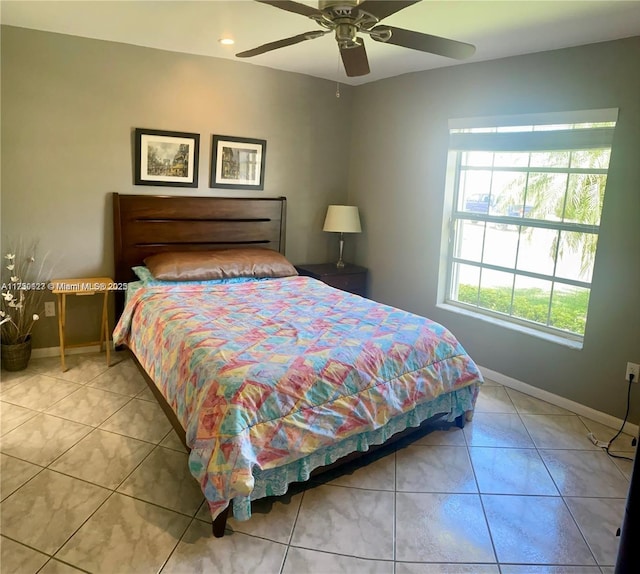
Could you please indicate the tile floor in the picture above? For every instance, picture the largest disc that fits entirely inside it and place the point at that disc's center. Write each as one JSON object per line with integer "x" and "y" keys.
{"x": 94, "y": 479}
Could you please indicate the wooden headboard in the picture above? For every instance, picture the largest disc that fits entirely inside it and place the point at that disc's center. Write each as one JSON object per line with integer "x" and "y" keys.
{"x": 148, "y": 224}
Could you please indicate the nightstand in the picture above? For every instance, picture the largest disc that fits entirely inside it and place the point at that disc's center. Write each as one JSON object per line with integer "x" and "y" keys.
{"x": 82, "y": 286}
{"x": 351, "y": 278}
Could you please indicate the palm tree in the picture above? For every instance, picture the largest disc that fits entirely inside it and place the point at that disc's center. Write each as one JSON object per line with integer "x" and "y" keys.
{"x": 569, "y": 197}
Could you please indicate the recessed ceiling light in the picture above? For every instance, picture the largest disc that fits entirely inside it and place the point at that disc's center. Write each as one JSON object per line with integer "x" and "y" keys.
{"x": 226, "y": 41}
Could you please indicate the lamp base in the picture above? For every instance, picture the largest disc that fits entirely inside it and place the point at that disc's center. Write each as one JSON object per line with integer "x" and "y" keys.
{"x": 340, "y": 262}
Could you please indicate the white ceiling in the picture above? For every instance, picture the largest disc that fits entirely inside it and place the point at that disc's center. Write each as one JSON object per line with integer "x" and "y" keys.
{"x": 496, "y": 28}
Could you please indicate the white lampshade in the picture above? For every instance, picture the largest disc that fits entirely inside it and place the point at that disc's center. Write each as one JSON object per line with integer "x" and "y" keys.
{"x": 342, "y": 219}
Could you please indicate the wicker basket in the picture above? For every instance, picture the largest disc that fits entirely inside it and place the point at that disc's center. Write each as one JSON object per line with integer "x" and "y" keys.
{"x": 16, "y": 357}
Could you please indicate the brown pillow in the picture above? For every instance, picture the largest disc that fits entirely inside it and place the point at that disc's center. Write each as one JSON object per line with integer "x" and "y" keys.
{"x": 221, "y": 264}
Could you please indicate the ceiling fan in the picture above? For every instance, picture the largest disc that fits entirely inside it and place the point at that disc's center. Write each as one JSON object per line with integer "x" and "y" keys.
{"x": 348, "y": 18}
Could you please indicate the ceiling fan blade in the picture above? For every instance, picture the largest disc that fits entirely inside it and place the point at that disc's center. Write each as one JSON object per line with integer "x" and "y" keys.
{"x": 425, "y": 42}
{"x": 282, "y": 43}
{"x": 383, "y": 8}
{"x": 355, "y": 60}
{"x": 294, "y": 7}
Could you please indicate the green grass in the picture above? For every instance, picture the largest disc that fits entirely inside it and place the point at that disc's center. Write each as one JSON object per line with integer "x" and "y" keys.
{"x": 568, "y": 310}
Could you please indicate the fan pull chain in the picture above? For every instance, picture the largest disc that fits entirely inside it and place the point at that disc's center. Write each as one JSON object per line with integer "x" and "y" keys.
{"x": 337, "y": 76}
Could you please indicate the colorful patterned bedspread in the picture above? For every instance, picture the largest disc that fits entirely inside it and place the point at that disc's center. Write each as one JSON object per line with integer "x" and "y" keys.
{"x": 264, "y": 373}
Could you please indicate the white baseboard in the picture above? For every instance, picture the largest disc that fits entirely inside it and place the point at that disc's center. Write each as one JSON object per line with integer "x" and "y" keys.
{"x": 559, "y": 401}
{"x": 55, "y": 351}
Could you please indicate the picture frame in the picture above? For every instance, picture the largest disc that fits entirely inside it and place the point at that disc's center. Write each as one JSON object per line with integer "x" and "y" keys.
{"x": 237, "y": 163}
{"x": 166, "y": 158}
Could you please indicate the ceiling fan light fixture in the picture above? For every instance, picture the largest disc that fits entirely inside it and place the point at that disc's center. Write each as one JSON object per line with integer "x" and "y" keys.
{"x": 227, "y": 41}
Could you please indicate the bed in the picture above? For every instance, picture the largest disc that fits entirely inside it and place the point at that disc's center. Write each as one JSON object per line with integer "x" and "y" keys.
{"x": 270, "y": 377}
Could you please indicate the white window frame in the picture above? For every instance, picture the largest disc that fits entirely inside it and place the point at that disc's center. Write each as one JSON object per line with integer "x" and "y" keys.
{"x": 474, "y": 134}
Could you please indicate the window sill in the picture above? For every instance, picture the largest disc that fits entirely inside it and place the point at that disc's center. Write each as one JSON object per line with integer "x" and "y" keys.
{"x": 559, "y": 340}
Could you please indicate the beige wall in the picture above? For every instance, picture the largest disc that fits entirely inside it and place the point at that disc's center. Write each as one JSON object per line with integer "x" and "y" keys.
{"x": 69, "y": 107}
{"x": 398, "y": 175}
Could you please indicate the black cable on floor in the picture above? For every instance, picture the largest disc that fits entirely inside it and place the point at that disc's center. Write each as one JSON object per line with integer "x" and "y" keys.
{"x": 623, "y": 423}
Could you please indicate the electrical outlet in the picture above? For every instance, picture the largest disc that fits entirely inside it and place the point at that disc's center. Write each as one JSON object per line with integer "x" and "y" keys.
{"x": 633, "y": 369}
{"x": 49, "y": 309}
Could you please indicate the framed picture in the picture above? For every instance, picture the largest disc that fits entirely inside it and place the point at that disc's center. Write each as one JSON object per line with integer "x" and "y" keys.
{"x": 237, "y": 163}
{"x": 166, "y": 158}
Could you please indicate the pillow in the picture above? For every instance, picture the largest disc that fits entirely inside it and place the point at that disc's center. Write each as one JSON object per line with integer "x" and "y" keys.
{"x": 146, "y": 277}
{"x": 143, "y": 274}
{"x": 221, "y": 264}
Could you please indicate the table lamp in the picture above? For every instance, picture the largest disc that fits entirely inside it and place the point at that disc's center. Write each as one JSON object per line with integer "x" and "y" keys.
{"x": 342, "y": 219}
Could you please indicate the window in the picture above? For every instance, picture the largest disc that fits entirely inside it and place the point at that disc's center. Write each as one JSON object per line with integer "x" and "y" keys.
{"x": 527, "y": 197}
